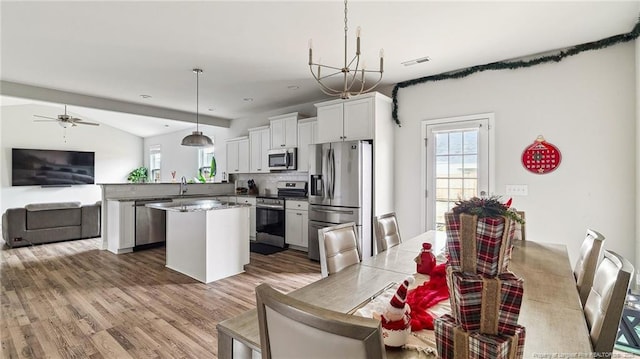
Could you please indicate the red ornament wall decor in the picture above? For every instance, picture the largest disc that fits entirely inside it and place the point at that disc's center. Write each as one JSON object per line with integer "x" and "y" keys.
{"x": 541, "y": 157}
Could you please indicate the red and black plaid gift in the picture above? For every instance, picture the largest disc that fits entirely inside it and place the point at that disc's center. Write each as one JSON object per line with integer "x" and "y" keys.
{"x": 452, "y": 342}
{"x": 487, "y": 305}
{"x": 479, "y": 245}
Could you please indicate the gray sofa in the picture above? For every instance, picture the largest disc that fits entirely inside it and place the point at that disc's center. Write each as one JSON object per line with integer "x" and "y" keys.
{"x": 50, "y": 222}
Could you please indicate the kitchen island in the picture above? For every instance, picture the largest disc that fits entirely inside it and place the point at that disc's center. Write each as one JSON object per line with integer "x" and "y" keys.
{"x": 206, "y": 239}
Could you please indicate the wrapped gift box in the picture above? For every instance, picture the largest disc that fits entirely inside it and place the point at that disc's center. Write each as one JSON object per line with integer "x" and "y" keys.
{"x": 453, "y": 342}
{"x": 487, "y": 305}
{"x": 484, "y": 250}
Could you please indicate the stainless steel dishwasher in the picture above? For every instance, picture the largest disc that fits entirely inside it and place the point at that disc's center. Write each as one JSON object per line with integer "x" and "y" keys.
{"x": 151, "y": 224}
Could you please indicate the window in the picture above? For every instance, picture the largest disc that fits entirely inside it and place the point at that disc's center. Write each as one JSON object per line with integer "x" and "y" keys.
{"x": 205, "y": 155}
{"x": 457, "y": 164}
{"x": 155, "y": 158}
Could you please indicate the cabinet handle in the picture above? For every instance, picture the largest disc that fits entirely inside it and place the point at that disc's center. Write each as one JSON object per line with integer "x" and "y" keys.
{"x": 298, "y": 214}
{"x": 282, "y": 145}
{"x": 259, "y": 169}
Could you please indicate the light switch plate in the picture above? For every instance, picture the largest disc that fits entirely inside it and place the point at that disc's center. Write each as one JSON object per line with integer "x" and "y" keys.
{"x": 517, "y": 190}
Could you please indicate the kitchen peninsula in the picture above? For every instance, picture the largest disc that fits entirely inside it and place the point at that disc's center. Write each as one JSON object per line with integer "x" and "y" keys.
{"x": 206, "y": 239}
{"x": 119, "y": 203}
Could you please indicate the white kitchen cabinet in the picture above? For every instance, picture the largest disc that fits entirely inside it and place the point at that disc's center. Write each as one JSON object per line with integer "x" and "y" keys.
{"x": 297, "y": 224}
{"x": 238, "y": 155}
{"x": 348, "y": 120}
{"x": 364, "y": 117}
{"x": 252, "y": 213}
{"x": 306, "y": 137}
{"x": 284, "y": 130}
{"x": 259, "y": 144}
{"x": 121, "y": 226}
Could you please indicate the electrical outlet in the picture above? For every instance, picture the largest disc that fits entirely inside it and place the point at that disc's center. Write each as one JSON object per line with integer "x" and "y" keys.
{"x": 517, "y": 190}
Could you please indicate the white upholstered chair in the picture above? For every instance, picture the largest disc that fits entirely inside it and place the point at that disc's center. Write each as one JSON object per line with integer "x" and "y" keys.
{"x": 290, "y": 328}
{"x": 606, "y": 299}
{"x": 338, "y": 248}
{"x": 387, "y": 231}
{"x": 590, "y": 255}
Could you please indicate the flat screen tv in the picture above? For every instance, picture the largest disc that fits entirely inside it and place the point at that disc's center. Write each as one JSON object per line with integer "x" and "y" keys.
{"x": 32, "y": 167}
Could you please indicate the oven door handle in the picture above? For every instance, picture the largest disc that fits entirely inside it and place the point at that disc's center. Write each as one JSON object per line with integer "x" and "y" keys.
{"x": 270, "y": 206}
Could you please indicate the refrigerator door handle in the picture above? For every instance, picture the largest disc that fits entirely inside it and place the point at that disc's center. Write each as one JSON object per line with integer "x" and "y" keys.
{"x": 333, "y": 173}
{"x": 332, "y": 211}
{"x": 329, "y": 175}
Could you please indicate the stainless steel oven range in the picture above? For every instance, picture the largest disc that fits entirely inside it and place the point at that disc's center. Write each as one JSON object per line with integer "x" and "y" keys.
{"x": 270, "y": 213}
{"x": 270, "y": 221}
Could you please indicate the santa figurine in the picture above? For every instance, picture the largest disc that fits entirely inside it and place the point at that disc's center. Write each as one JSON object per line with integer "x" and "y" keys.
{"x": 396, "y": 319}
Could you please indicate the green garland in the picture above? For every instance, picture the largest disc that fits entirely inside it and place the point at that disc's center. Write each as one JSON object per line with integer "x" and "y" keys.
{"x": 512, "y": 65}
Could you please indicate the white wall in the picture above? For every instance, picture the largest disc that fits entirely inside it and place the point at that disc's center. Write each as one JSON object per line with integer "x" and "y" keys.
{"x": 585, "y": 105}
{"x": 184, "y": 159}
{"x": 637, "y": 196}
{"x": 116, "y": 153}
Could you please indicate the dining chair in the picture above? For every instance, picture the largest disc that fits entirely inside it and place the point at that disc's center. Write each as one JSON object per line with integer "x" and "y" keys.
{"x": 338, "y": 248}
{"x": 590, "y": 255}
{"x": 290, "y": 328}
{"x": 606, "y": 299}
{"x": 387, "y": 231}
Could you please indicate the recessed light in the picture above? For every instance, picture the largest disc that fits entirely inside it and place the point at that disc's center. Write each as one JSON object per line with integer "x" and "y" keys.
{"x": 247, "y": 99}
{"x": 211, "y": 109}
{"x": 416, "y": 61}
{"x": 166, "y": 125}
{"x": 293, "y": 87}
{"x": 145, "y": 96}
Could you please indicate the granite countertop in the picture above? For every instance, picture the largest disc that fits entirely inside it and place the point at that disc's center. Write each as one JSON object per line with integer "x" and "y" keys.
{"x": 195, "y": 206}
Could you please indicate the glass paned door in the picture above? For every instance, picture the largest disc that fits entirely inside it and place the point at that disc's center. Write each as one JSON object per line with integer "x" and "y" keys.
{"x": 457, "y": 159}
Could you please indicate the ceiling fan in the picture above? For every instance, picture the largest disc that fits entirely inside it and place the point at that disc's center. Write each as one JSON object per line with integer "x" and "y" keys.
{"x": 66, "y": 120}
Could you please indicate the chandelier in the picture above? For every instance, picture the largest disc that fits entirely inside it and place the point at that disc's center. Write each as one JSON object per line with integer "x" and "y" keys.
{"x": 197, "y": 139}
{"x": 353, "y": 73}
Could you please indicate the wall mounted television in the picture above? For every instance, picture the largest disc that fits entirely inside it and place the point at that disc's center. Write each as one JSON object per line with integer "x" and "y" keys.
{"x": 35, "y": 167}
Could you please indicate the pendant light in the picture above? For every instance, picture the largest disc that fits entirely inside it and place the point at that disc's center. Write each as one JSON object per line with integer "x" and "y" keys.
{"x": 197, "y": 139}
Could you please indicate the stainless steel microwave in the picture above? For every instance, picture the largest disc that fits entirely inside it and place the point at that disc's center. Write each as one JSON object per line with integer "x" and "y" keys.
{"x": 283, "y": 159}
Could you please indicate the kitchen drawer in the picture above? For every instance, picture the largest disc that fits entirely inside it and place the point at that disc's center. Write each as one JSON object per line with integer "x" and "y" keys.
{"x": 299, "y": 205}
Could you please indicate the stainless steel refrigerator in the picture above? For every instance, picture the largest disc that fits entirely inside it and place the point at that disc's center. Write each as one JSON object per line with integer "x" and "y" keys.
{"x": 340, "y": 185}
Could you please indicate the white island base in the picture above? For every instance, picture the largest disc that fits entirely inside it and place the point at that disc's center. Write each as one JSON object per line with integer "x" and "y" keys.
{"x": 208, "y": 245}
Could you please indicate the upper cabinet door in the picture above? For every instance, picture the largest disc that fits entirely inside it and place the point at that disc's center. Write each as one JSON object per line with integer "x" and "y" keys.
{"x": 330, "y": 119}
{"x": 258, "y": 150}
{"x": 306, "y": 134}
{"x": 265, "y": 145}
{"x": 358, "y": 119}
{"x": 238, "y": 156}
{"x": 243, "y": 156}
{"x": 284, "y": 130}
{"x": 255, "y": 151}
{"x": 277, "y": 134}
{"x": 232, "y": 157}
{"x": 291, "y": 132}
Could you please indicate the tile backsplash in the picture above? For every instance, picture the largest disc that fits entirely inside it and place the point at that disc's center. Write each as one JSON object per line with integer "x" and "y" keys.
{"x": 268, "y": 182}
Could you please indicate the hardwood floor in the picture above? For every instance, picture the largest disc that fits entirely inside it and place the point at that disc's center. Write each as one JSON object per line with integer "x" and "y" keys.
{"x": 73, "y": 300}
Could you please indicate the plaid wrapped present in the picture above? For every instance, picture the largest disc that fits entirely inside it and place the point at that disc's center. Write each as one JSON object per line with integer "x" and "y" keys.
{"x": 454, "y": 343}
{"x": 487, "y": 305}
{"x": 479, "y": 245}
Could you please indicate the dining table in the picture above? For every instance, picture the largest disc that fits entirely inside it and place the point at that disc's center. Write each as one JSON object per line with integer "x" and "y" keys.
{"x": 551, "y": 310}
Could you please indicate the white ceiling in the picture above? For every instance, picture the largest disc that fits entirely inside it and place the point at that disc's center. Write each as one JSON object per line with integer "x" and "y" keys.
{"x": 258, "y": 49}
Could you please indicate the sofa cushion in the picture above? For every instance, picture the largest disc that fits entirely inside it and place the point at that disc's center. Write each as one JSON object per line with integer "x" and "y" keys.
{"x": 53, "y": 218}
{"x": 52, "y": 205}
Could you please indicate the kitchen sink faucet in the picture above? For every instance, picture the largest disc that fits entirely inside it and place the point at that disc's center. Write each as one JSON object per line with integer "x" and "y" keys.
{"x": 183, "y": 185}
